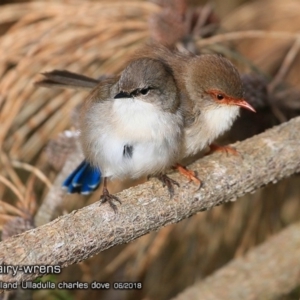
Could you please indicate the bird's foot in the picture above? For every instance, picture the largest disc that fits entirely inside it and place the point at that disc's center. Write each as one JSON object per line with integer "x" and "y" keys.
{"x": 169, "y": 182}
{"x": 107, "y": 197}
{"x": 191, "y": 175}
{"x": 226, "y": 149}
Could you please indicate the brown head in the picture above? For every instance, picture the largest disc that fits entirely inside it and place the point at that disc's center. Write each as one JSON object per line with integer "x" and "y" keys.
{"x": 213, "y": 81}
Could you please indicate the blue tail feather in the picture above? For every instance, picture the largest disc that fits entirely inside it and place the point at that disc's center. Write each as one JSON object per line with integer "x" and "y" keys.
{"x": 69, "y": 179}
{"x": 83, "y": 180}
{"x": 79, "y": 174}
{"x": 91, "y": 180}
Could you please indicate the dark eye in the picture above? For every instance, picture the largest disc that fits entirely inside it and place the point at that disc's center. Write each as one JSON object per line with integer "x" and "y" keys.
{"x": 144, "y": 91}
{"x": 220, "y": 97}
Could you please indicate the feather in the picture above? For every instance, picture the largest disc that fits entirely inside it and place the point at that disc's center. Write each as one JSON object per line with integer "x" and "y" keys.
{"x": 91, "y": 180}
{"x": 67, "y": 79}
{"x": 83, "y": 180}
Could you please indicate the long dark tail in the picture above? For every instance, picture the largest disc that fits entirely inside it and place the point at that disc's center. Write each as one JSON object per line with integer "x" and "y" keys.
{"x": 65, "y": 79}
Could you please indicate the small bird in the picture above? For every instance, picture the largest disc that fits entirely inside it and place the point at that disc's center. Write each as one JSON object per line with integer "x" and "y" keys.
{"x": 130, "y": 126}
{"x": 211, "y": 95}
{"x": 210, "y": 89}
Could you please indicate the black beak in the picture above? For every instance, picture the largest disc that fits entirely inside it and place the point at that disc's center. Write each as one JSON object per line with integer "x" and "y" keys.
{"x": 123, "y": 95}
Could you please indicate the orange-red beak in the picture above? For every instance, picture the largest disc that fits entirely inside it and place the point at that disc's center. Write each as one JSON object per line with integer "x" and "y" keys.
{"x": 243, "y": 103}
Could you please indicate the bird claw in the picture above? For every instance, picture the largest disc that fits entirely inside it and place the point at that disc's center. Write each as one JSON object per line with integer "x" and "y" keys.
{"x": 191, "y": 175}
{"x": 107, "y": 197}
{"x": 227, "y": 149}
{"x": 169, "y": 182}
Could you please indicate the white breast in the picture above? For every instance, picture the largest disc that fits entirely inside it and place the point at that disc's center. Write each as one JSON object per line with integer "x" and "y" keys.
{"x": 209, "y": 126}
{"x": 137, "y": 120}
{"x": 219, "y": 120}
{"x": 153, "y": 134}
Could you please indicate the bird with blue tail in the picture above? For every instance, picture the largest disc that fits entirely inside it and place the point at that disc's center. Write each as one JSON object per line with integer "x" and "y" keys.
{"x": 84, "y": 180}
{"x": 131, "y": 126}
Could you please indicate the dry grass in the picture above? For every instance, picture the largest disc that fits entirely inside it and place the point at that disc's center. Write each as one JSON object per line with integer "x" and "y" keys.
{"x": 94, "y": 39}
{"x": 269, "y": 15}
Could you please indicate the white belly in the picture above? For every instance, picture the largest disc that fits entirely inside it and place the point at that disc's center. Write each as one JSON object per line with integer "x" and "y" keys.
{"x": 153, "y": 135}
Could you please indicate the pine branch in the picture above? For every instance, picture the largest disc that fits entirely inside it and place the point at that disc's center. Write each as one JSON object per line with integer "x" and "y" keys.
{"x": 71, "y": 238}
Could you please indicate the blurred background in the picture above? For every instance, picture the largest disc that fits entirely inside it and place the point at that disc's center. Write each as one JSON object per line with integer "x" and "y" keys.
{"x": 96, "y": 38}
